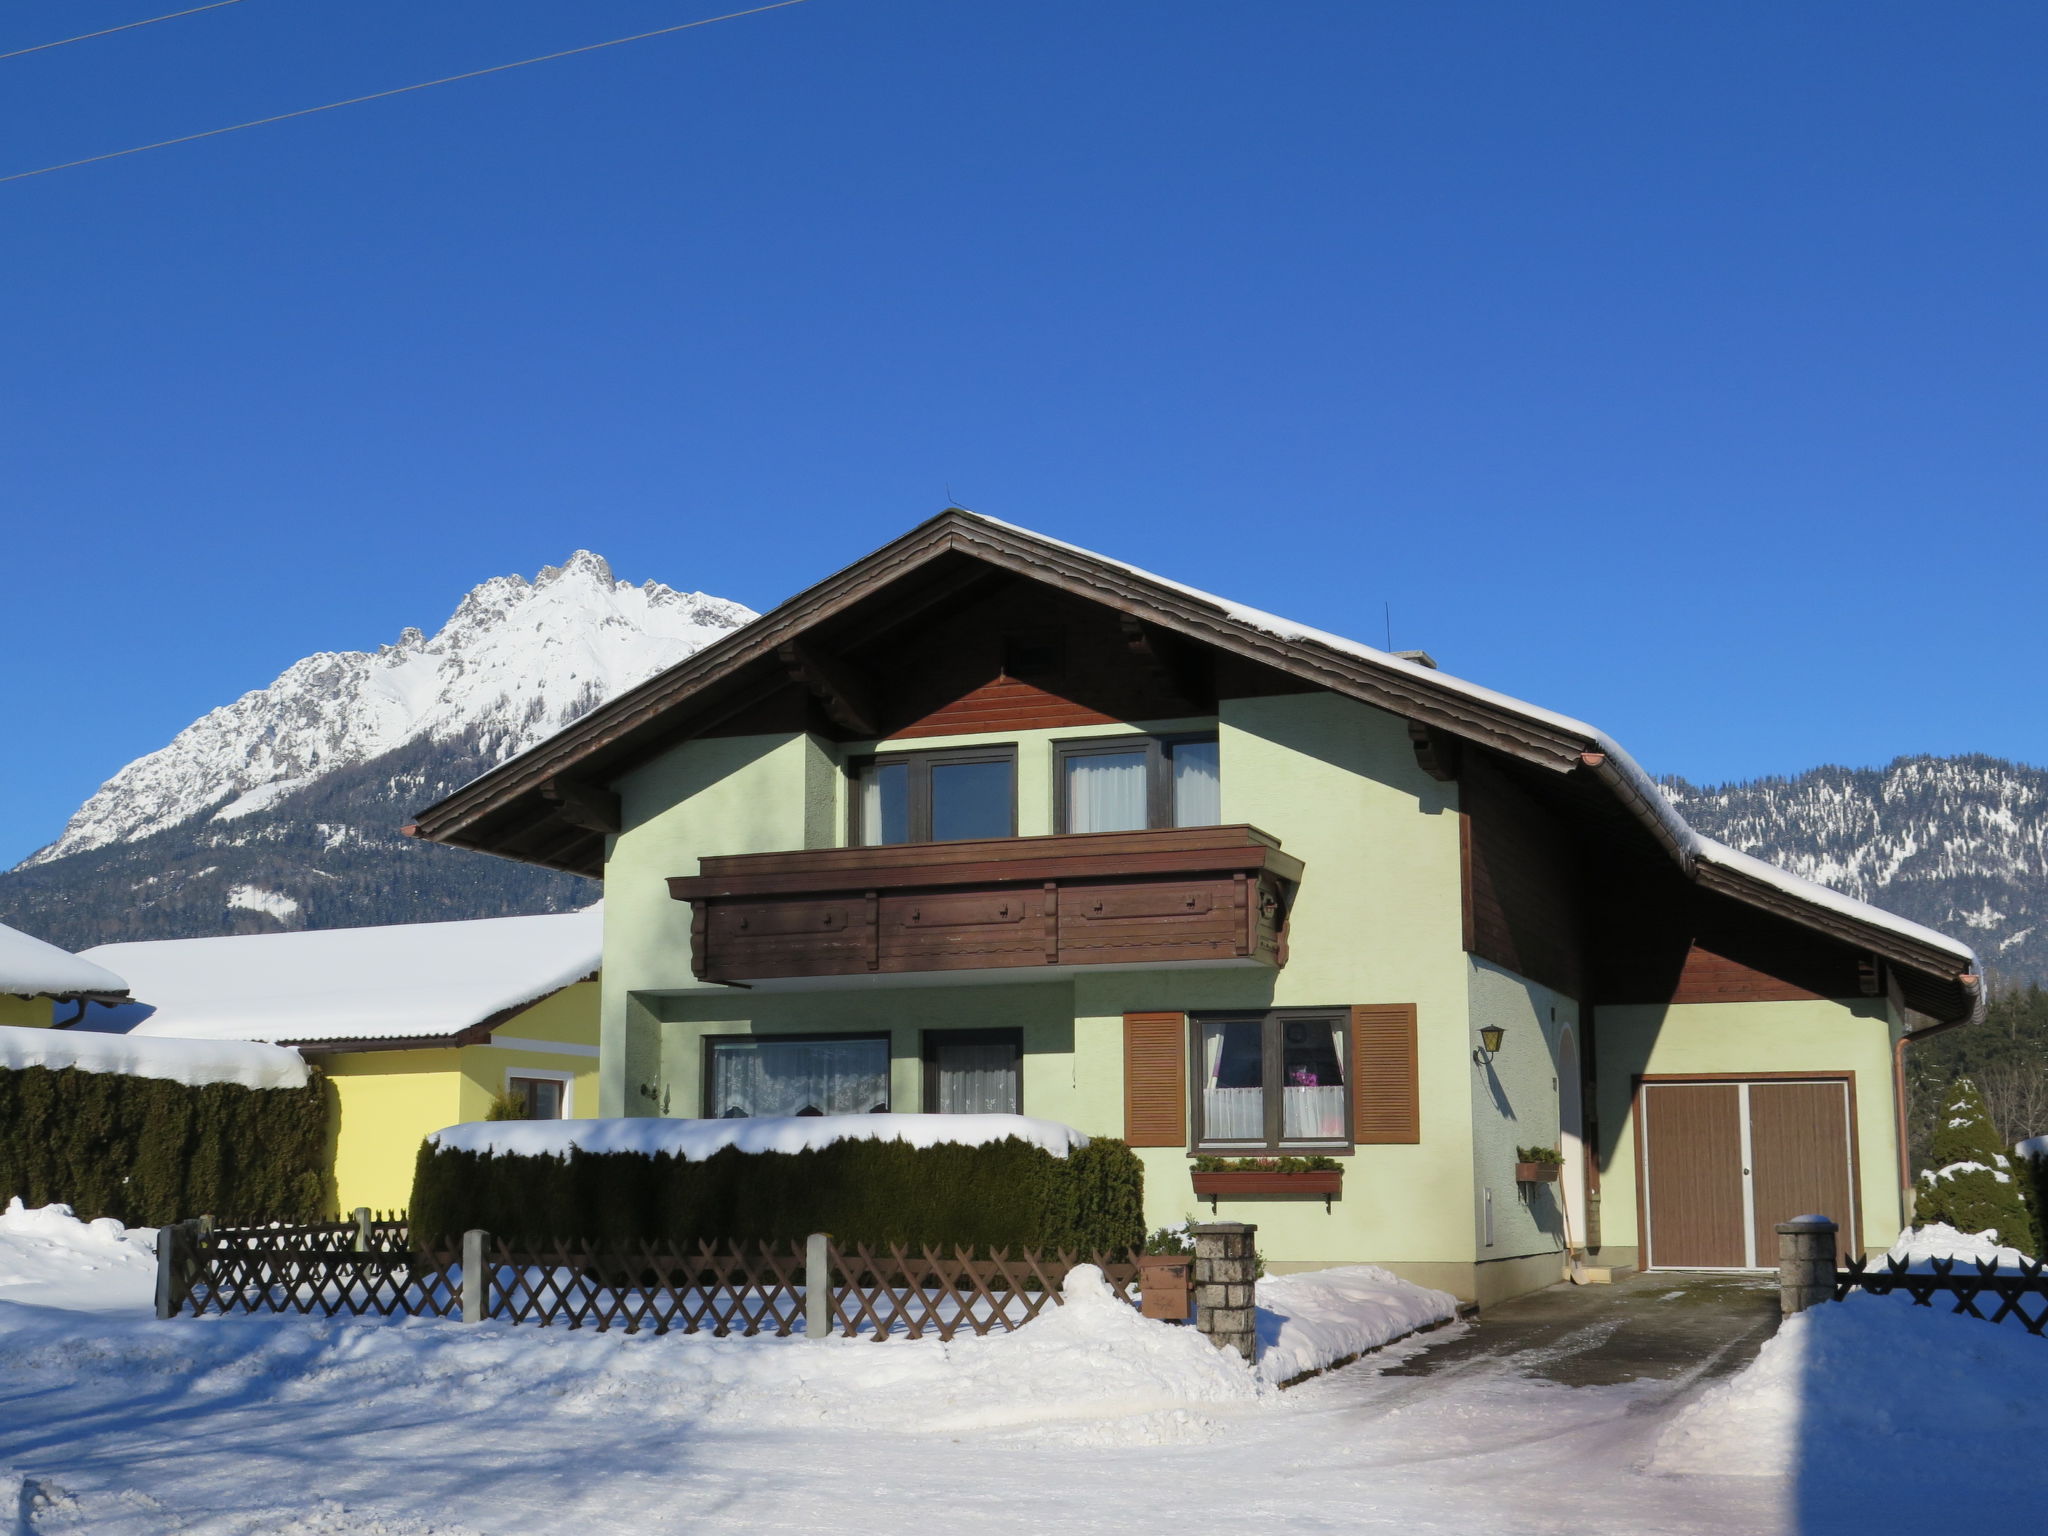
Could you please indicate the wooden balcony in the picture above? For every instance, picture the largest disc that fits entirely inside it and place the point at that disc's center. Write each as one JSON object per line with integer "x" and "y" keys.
{"x": 1095, "y": 898}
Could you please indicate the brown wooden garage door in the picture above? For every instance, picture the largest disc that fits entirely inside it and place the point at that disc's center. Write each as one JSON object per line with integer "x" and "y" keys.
{"x": 1722, "y": 1162}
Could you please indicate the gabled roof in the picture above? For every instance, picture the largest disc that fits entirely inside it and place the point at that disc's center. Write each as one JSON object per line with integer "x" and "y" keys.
{"x": 31, "y": 968}
{"x": 549, "y": 805}
{"x": 429, "y": 983}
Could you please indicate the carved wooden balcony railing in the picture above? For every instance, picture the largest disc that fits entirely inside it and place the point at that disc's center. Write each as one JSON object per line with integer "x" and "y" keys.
{"x": 1094, "y": 898}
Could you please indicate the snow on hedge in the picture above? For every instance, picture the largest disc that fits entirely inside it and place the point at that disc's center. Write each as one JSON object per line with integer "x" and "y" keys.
{"x": 31, "y": 968}
{"x": 1938, "y": 1240}
{"x": 392, "y": 982}
{"x": 192, "y": 1062}
{"x": 1308, "y": 1322}
{"x": 695, "y": 1140}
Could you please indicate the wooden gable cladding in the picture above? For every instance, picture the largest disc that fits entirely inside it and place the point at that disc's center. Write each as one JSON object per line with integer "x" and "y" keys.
{"x": 1662, "y": 941}
{"x": 1156, "y": 1079}
{"x": 1386, "y": 1090}
{"x": 1523, "y": 887}
{"x": 951, "y": 673}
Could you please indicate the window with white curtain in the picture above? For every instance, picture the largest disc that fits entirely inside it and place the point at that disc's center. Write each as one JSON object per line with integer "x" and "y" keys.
{"x": 934, "y": 797}
{"x": 974, "y": 1071}
{"x": 1129, "y": 784}
{"x": 763, "y": 1075}
{"x": 1272, "y": 1080}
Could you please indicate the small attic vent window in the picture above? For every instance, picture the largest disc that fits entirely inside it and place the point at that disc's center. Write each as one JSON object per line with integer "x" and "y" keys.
{"x": 1034, "y": 654}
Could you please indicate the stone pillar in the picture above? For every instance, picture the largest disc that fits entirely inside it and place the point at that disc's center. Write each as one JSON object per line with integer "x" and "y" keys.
{"x": 1226, "y": 1267}
{"x": 1806, "y": 1263}
{"x": 818, "y": 1286}
{"x": 476, "y": 1275}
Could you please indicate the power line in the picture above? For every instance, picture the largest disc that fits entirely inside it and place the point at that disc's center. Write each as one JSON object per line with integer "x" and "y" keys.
{"x": 400, "y": 90}
{"x": 126, "y": 26}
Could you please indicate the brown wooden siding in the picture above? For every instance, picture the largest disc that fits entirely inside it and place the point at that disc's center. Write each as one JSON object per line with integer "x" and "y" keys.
{"x": 945, "y": 676}
{"x": 1524, "y": 904}
{"x": 1661, "y": 940}
{"x": 1155, "y": 1079}
{"x": 1386, "y": 1097}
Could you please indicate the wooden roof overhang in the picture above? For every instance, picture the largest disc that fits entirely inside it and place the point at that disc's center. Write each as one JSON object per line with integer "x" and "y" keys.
{"x": 550, "y": 805}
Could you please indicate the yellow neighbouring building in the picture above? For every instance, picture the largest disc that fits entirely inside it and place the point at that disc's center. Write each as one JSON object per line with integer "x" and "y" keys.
{"x": 418, "y": 1025}
{"x": 35, "y": 977}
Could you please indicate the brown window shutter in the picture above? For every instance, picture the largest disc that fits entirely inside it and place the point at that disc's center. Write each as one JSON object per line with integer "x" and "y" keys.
{"x": 1156, "y": 1079}
{"x": 1386, "y": 1102}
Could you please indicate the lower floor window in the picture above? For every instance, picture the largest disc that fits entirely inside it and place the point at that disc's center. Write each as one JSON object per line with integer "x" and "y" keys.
{"x": 537, "y": 1098}
{"x": 1271, "y": 1079}
{"x": 973, "y": 1072}
{"x": 841, "y": 1075}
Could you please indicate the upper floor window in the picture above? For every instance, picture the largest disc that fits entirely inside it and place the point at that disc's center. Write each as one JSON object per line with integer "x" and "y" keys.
{"x": 935, "y": 797}
{"x": 1130, "y": 783}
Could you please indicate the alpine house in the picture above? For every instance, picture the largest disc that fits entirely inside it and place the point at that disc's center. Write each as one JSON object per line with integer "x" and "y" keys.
{"x": 986, "y": 822}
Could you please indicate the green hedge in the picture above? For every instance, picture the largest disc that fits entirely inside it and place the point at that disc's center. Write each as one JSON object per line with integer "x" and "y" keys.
{"x": 148, "y": 1151}
{"x": 1005, "y": 1194}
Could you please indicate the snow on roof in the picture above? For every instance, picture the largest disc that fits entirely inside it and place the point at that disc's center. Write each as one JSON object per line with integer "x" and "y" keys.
{"x": 695, "y": 1140}
{"x": 412, "y": 980}
{"x": 31, "y": 968}
{"x": 181, "y": 1061}
{"x": 1646, "y": 790}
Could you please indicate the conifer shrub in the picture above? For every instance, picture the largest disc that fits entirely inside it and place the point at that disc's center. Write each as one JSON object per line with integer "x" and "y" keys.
{"x": 148, "y": 1151}
{"x": 1005, "y": 1194}
{"x": 1973, "y": 1186}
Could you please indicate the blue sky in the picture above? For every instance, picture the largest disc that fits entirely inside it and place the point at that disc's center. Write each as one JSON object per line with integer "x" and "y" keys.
{"x": 1678, "y": 366}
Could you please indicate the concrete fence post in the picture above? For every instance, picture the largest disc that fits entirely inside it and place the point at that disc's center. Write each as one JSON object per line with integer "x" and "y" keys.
{"x": 476, "y": 1275}
{"x": 1226, "y": 1271}
{"x": 1806, "y": 1263}
{"x": 361, "y": 1216}
{"x": 818, "y": 1286}
{"x": 170, "y": 1263}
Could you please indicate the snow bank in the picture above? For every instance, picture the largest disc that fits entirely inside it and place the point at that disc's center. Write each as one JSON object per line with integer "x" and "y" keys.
{"x": 50, "y": 1258}
{"x": 1850, "y": 1389}
{"x": 695, "y": 1140}
{"x": 1091, "y": 1371}
{"x": 1310, "y": 1321}
{"x": 388, "y": 983}
{"x": 31, "y": 968}
{"x": 180, "y": 1061}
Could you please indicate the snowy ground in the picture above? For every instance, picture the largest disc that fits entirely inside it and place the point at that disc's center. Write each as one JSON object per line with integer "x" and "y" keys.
{"x": 1090, "y": 1419}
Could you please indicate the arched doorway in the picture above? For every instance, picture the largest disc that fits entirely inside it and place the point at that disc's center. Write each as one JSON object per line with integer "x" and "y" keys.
{"x": 1571, "y": 1137}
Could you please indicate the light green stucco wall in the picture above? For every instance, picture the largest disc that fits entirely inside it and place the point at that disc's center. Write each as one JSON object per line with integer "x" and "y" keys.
{"x": 1377, "y": 920}
{"x": 27, "y": 1012}
{"x": 1514, "y": 1104}
{"x": 1818, "y": 1036}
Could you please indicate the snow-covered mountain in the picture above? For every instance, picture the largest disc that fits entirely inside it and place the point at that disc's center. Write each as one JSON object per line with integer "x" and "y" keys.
{"x": 282, "y": 809}
{"x": 518, "y": 661}
{"x": 1957, "y": 843}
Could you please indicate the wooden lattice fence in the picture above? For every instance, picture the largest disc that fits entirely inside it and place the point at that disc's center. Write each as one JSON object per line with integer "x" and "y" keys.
{"x": 2021, "y": 1289}
{"x": 371, "y": 1267}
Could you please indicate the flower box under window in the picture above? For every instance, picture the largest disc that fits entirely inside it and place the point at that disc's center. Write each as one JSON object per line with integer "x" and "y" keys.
{"x": 1535, "y": 1173}
{"x": 1232, "y": 1182}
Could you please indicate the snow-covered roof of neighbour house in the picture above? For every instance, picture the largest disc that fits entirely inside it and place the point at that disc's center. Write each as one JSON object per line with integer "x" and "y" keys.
{"x": 31, "y": 968}
{"x": 425, "y": 981}
{"x": 695, "y": 1140}
{"x": 180, "y": 1061}
{"x": 528, "y": 808}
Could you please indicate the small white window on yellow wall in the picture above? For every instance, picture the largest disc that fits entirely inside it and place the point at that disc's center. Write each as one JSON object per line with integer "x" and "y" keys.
{"x": 540, "y": 1095}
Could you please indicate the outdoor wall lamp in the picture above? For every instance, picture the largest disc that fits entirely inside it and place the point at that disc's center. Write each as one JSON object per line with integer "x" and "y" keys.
{"x": 1490, "y": 1037}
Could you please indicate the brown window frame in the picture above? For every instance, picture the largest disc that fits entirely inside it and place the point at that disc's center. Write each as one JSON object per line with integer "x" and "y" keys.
{"x": 930, "y": 1039}
{"x": 920, "y": 765}
{"x": 778, "y": 1037}
{"x": 1273, "y": 1048}
{"x": 1158, "y": 770}
{"x": 561, "y": 1086}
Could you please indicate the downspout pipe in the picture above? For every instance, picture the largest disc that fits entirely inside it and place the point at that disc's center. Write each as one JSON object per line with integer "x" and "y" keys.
{"x": 1974, "y": 985}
